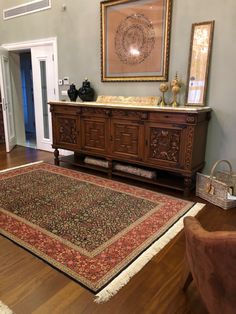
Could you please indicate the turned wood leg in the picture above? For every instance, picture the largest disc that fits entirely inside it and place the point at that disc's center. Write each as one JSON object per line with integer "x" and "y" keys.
{"x": 187, "y": 186}
{"x": 56, "y": 157}
{"x": 79, "y": 157}
{"x": 109, "y": 169}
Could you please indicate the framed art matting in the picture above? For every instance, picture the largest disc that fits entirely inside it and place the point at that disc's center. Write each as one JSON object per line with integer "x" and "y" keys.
{"x": 135, "y": 40}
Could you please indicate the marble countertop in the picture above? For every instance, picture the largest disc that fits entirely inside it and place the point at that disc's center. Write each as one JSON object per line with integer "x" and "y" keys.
{"x": 180, "y": 109}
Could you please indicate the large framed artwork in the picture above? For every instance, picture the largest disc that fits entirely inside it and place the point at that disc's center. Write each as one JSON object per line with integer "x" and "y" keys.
{"x": 135, "y": 40}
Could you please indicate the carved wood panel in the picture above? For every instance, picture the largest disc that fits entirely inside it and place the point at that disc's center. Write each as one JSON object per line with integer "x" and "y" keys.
{"x": 67, "y": 130}
{"x": 94, "y": 134}
{"x": 164, "y": 144}
{"x": 126, "y": 138}
{"x": 189, "y": 147}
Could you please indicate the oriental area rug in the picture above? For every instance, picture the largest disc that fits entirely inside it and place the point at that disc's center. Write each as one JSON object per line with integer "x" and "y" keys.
{"x": 98, "y": 231}
{"x": 4, "y": 309}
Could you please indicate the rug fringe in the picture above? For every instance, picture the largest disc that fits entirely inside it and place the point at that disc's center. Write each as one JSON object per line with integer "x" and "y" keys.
{"x": 22, "y": 166}
{"x": 121, "y": 280}
{"x": 4, "y": 309}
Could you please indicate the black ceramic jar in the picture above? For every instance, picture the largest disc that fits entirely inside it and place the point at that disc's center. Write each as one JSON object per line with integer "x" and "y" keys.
{"x": 86, "y": 92}
{"x": 72, "y": 92}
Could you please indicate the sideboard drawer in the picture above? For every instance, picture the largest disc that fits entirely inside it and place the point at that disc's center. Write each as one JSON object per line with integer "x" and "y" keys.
{"x": 129, "y": 114}
{"x": 73, "y": 110}
{"x": 167, "y": 117}
{"x": 96, "y": 112}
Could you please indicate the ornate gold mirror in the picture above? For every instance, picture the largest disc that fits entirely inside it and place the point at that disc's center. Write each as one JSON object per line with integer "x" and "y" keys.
{"x": 199, "y": 60}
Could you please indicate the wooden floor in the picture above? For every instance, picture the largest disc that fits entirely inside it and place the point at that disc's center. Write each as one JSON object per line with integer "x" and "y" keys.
{"x": 29, "y": 285}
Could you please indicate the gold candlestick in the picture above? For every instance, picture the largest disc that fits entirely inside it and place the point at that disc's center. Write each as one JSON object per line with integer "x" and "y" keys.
{"x": 163, "y": 88}
{"x": 175, "y": 87}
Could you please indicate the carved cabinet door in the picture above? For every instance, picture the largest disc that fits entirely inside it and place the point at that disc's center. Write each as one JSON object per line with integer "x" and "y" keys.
{"x": 66, "y": 131}
{"x": 165, "y": 144}
{"x": 127, "y": 139}
{"x": 95, "y": 132}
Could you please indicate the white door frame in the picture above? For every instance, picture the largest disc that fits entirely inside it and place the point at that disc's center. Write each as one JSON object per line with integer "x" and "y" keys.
{"x": 52, "y": 41}
{"x": 7, "y": 101}
{"x": 43, "y": 70}
{"x": 35, "y": 43}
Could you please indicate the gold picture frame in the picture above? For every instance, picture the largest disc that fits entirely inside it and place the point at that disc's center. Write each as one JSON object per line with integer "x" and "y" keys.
{"x": 199, "y": 63}
{"x": 135, "y": 40}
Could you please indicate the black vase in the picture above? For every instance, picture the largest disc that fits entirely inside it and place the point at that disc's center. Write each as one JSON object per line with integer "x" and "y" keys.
{"x": 86, "y": 93}
{"x": 72, "y": 92}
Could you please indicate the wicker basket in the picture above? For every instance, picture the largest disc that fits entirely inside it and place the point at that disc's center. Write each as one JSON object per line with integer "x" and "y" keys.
{"x": 215, "y": 188}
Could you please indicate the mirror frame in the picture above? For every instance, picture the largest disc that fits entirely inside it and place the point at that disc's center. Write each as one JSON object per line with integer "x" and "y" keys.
{"x": 207, "y": 65}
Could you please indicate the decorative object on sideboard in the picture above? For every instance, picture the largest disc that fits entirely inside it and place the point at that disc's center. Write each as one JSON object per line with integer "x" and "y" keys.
{"x": 72, "y": 92}
{"x": 135, "y": 40}
{"x": 163, "y": 88}
{"x": 129, "y": 100}
{"x": 175, "y": 88}
{"x": 199, "y": 62}
{"x": 86, "y": 92}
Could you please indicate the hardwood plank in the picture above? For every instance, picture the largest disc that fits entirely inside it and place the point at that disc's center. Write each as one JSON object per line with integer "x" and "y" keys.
{"x": 29, "y": 285}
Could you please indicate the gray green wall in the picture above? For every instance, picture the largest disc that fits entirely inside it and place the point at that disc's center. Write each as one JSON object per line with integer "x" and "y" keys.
{"x": 78, "y": 33}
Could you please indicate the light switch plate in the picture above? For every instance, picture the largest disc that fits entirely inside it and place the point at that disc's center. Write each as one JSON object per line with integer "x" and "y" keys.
{"x": 64, "y": 92}
{"x": 66, "y": 80}
{"x": 60, "y": 82}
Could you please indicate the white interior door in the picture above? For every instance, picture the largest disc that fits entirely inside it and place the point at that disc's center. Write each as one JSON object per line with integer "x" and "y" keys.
{"x": 7, "y": 104}
{"x": 43, "y": 69}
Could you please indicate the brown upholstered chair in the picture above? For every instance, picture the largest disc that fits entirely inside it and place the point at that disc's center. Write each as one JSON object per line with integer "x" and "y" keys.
{"x": 211, "y": 257}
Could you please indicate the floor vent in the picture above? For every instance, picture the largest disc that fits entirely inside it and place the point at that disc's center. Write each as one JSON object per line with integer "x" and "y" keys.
{"x": 27, "y": 8}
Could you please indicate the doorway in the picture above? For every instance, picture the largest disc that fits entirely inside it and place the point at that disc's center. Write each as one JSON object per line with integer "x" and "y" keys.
{"x": 38, "y": 77}
{"x": 28, "y": 99}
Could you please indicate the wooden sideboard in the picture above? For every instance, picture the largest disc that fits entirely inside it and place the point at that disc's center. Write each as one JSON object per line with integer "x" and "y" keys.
{"x": 170, "y": 141}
